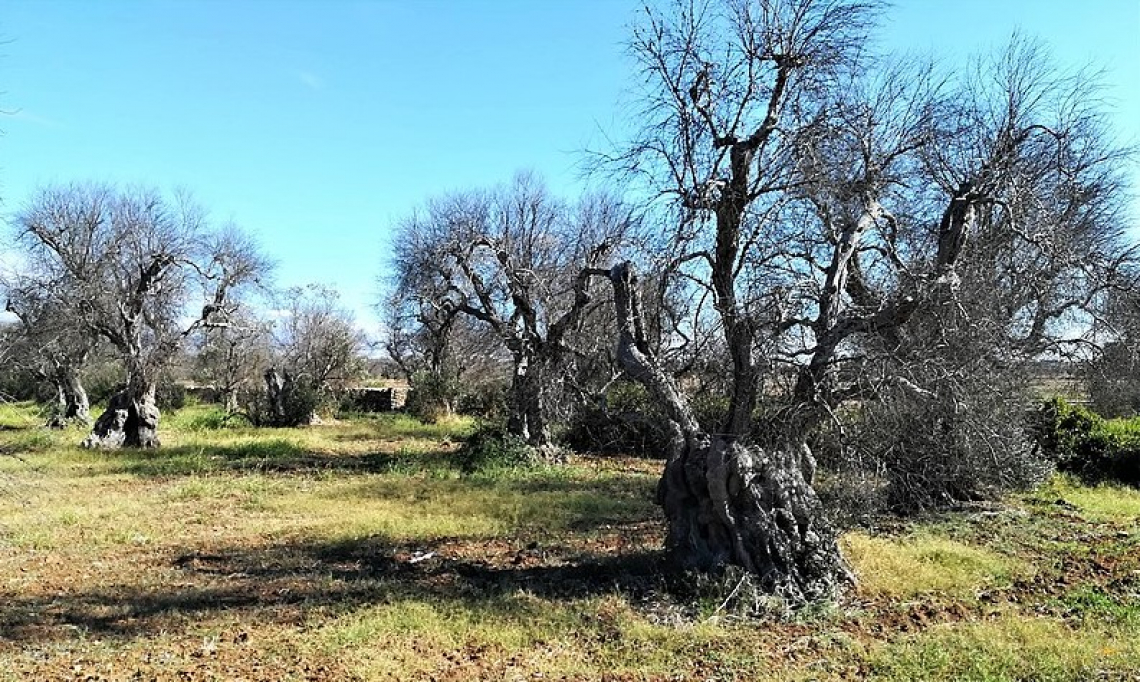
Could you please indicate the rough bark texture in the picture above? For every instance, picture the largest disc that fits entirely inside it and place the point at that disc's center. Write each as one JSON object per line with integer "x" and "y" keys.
{"x": 728, "y": 502}
{"x": 72, "y": 404}
{"x": 130, "y": 420}
{"x": 526, "y": 419}
{"x": 230, "y": 400}
{"x": 277, "y": 384}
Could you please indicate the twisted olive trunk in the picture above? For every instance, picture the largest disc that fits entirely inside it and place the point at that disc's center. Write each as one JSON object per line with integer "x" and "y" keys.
{"x": 130, "y": 420}
{"x": 526, "y": 418}
{"x": 728, "y": 502}
{"x": 72, "y": 404}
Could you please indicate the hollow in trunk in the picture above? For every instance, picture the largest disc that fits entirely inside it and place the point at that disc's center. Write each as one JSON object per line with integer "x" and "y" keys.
{"x": 130, "y": 420}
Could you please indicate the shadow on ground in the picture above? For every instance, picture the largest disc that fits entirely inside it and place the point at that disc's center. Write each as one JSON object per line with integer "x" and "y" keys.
{"x": 270, "y": 456}
{"x": 284, "y": 457}
{"x": 281, "y": 583}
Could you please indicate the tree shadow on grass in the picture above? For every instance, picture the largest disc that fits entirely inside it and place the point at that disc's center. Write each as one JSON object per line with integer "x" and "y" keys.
{"x": 267, "y": 456}
{"x": 281, "y": 456}
{"x": 400, "y": 426}
{"x": 281, "y": 582}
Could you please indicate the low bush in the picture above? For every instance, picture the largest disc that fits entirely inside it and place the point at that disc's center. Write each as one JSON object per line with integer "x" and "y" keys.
{"x": 918, "y": 451}
{"x": 1083, "y": 443}
{"x": 624, "y": 421}
{"x": 433, "y": 395}
{"x": 170, "y": 396}
{"x": 485, "y": 400}
{"x": 490, "y": 447}
{"x": 299, "y": 402}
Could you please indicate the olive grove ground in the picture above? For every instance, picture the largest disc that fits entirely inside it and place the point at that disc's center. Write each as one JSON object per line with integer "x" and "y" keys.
{"x": 358, "y": 550}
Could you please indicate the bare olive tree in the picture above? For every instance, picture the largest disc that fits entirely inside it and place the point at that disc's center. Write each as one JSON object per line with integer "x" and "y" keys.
{"x": 46, "y": 343}
{"x": 842, "y": 212}
{"x": 233, "y": 357}
{"x": 317, "y": 350}
{"x": 442, "y": 354}
{"x": 996, "y": 226}
{"x": 142, "y": 271}
{"x": 730, "y": 90}
{"x": 513, "y": 260}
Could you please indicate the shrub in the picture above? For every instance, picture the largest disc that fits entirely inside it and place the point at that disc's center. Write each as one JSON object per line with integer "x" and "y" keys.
{"x": 711, "y": 410}
{"x": 299, "y": 403}
{"x": 1083, "y": 443}
{"x": 170, "y": 396}
{"x": 433, "y": 395}
{"x": 102, "y": 380}
{"x": 486, "y": 399}
{"x": 490, "y": 447}
{"x": 624, "y": 421}
{"x": 913, "y": 451}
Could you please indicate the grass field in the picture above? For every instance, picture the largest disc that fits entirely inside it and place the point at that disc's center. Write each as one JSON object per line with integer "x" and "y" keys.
{"x": 357, "y": 550}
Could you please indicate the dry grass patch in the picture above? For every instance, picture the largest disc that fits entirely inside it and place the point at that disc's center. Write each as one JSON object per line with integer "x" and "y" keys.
{"x": 1104, "y": 503}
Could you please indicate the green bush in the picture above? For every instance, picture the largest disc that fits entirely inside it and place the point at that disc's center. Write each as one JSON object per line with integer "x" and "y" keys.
{"x": 711, "y": 410}
{"x": 299, "y": 403}
{"x": 103, "y": 379}
{"x": 433, "y": 395}
{"x": 1083, "y": 443}
{"x": 486, "y": 400}
{"x": 170, "y": 396}
{"x": 300, "y": 400}
{"x": 490, "y": 447}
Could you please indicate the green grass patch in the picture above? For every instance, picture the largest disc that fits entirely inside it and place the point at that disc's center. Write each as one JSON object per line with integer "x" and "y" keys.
{"x": 201, "y": 417}
{"x": 1105, "y": 502}
{"x": 1091, "y": 604}
{"x": 519, "y": 634}
{"x": 922, "y": 563}
{"x": 422, "y": 507}
{"x": 403, "y": 426}
{"x": 1009, "y": 648}
{"x": 20, "y": 415}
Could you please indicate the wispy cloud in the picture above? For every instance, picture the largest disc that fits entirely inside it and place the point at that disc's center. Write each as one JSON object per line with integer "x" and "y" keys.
{"x": 310, "y": 80}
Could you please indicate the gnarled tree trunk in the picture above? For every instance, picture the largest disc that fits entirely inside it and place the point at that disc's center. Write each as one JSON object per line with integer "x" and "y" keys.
{"x": 72, "y": 404}
{"x": 728, "y": 502}
{"x": 526, "y": 418}
{"x": 130, "y": 420}
{"x": 230, "y": 400}
{"x": 277, "y": 386}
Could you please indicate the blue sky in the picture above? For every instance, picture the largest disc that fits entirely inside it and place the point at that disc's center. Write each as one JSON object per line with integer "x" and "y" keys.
{"x": 316, "y": 125}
